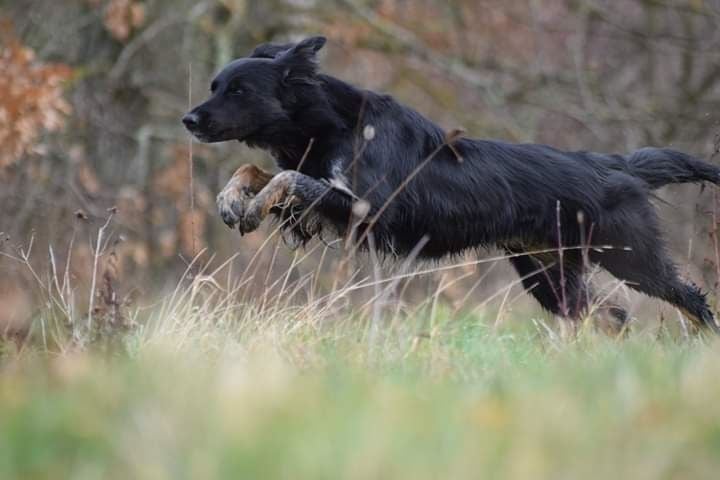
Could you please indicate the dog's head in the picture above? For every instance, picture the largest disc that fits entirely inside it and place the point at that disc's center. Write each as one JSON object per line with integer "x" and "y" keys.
{"x": 250, "y": 95}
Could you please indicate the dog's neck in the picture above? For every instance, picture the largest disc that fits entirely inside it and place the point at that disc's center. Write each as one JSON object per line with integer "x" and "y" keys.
{"x": 310, "y": 155}
{"x": 289, "y": 157}
{"x": 288, "y": 147}
{"x": 301, "y": 143}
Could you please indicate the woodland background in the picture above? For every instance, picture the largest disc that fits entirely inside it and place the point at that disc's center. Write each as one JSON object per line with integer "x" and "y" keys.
{"x": 92, "y": 92}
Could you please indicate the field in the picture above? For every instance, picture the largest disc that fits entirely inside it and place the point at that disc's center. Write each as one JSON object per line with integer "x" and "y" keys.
{"x": 142, "y": 339}
{"x": 203, "y": 388}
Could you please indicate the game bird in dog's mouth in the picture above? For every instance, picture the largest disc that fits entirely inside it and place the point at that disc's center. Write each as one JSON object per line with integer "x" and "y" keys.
{"x": 353, "y": 158}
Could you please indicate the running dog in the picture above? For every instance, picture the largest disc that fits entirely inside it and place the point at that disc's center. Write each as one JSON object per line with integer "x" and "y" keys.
{"x": 353, "y": 159}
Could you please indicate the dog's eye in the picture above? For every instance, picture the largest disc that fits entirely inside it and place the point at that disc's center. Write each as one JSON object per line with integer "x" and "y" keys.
{"x": 237, "y": 91}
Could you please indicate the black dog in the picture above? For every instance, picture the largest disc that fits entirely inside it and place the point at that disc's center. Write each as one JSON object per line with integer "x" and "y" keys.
{"x": 355, "y": 159}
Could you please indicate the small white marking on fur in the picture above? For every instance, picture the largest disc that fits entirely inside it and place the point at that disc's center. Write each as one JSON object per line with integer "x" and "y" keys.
{"x": 361, "y": 208}
{"x": 338, "y": 180}
{"x": 369, "y": 132}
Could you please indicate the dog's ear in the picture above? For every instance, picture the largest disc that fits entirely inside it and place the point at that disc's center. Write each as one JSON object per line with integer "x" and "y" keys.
{"x": 270, "y": 50}
{"x": 300, "y": 62}
{"x": 308, "y": 48}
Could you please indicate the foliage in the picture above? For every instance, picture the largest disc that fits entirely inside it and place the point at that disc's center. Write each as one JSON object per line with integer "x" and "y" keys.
{"x": 32, "y": 98}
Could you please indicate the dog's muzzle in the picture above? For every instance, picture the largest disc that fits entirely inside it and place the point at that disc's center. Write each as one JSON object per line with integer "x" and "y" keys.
{"x": 191, "y": 121}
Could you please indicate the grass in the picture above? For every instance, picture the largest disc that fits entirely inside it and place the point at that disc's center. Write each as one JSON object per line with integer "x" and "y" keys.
{"x": 220, "y": 382}
{"x": 201, "y": 391}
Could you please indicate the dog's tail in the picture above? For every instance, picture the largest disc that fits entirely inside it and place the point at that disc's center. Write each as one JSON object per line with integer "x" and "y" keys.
{"x": 662, "y": 166}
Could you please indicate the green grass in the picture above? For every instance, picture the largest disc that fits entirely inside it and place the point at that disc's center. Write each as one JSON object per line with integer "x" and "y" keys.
{"x": 204, "y": 394}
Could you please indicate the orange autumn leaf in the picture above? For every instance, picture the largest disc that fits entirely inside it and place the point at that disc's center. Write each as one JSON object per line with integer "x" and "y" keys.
{"x": 32, "y": 99}
{"x": 122, "y": 17}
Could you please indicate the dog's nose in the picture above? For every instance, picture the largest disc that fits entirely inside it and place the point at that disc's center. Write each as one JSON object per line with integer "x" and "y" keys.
{"x": 191, "y": 120}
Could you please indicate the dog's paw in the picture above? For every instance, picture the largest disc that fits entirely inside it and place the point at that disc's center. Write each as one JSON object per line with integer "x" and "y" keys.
{"x": 251, "y": 218}
{"x": 232, "y": 203}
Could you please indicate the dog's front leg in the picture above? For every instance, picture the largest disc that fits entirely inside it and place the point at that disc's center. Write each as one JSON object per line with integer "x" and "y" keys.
{"x": 277, "y": 193}
{"x": 292, "y": 188}
{"x": 233, "y": 200}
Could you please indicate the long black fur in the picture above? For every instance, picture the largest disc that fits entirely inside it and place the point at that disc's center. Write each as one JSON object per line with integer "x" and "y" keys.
{"x": 469, "y": 194}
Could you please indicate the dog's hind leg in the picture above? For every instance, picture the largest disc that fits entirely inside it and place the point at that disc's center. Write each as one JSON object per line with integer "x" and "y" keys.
{"x": 653, "y": 273}
{"x": 638, "y": 255}
{"x": 561, "y": 291}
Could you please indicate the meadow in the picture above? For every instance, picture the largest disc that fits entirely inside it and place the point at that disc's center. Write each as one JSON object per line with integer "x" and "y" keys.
{"x": 209, "y": 383}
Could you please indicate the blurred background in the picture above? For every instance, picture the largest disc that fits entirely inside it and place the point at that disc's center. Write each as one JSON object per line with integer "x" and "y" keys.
{"x": 92, "y": 91}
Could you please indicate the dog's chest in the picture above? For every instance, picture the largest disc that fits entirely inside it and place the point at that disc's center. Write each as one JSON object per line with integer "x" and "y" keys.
{"x": 338, "y": 180}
